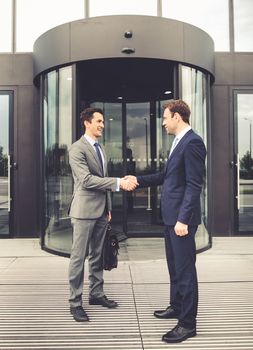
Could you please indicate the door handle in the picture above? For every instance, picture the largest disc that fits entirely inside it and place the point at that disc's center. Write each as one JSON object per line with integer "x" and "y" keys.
{"x": 238, "y": 181}
{"x": 9, "y": 183}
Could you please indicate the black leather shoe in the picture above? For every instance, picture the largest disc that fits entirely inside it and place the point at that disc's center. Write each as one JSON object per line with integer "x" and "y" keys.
{"x": 103, "y": 301}
{"x": 178, "y": 334}
{"x": 167, "y": 313}
{"x": 79, "y": 314}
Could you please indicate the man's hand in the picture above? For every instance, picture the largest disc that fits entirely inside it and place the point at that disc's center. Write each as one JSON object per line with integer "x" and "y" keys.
{"x": 128, "y": 183}
{"x": 109, "y": 216}
{"x": 181, "y": 229}
{"x": 132, "y": 179}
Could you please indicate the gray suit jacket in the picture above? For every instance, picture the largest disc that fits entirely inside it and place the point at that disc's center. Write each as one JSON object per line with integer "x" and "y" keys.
{"x": 91, "y": 189}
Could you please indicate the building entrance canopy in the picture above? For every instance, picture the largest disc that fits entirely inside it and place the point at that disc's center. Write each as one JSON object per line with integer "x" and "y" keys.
{"x": 108, "y": 37}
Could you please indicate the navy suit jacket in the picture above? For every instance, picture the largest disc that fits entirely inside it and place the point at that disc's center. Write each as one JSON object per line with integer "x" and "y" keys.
{"x": 182, "y": 180}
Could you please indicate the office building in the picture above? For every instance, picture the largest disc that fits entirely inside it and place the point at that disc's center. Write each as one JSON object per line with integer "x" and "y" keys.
{"x": 127, "y": 58}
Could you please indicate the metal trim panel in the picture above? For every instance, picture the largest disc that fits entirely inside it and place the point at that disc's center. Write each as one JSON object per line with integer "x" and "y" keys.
{"x": 103, "y": 37}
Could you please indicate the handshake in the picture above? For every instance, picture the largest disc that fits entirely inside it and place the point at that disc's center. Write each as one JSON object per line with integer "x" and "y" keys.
{"x": 128, "y": 183}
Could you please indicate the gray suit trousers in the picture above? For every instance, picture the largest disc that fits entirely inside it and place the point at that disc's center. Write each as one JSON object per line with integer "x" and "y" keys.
{"x": 88, "y": 240}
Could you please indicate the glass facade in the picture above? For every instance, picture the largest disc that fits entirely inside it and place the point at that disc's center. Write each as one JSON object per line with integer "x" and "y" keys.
{"x": 6, "y": 152}
{"x": 113, "y": 141}
{"x": 211, "y": 15}
{"x": 194, "y": 92}
{"x": 244, "y": 174}
{"x": 135, "y": 143}
{"x": 130, "y": 143}
{"x": 138, "y": 147}
{"x": 57, "y": 118}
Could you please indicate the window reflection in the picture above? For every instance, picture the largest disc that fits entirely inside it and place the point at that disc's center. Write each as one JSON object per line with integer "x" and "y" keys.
{"x": 57, "y": 138}
{"x": 112, "y": 141}
{"x": 194, "y": 92}
{"x": 244, "y": 113}
{"x": 243, "y": 26}
{"x": 4, "y": 171}
{"x": 138, "y": 131}
{"x": 164, "y": 142}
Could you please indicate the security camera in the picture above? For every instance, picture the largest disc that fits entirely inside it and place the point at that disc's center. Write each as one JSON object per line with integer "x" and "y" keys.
{"x": 128, "y": 34}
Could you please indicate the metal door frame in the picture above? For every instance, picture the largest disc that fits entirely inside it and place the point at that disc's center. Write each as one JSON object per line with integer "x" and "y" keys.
{"x": 151, "y": 134}
{"x": 11, "y": 184}
{"x": 234, "y": 185}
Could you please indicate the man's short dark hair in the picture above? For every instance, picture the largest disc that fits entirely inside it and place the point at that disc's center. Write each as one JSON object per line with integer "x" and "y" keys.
{"x": 180, "y": 107}
{"x": 88, "y": 114}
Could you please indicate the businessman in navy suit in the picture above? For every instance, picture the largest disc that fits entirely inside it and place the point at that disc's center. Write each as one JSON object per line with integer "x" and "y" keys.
{"x": 181, "y": 182}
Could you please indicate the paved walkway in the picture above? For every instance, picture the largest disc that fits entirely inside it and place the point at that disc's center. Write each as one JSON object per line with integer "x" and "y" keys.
{"x": 34, "y": 310}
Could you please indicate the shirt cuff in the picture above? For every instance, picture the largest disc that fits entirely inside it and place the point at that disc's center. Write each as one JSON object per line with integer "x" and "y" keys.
{"x": 118, "y": 185}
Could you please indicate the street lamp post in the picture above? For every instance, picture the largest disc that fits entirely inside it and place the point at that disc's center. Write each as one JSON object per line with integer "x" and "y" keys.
{"x": 250, "y": 125}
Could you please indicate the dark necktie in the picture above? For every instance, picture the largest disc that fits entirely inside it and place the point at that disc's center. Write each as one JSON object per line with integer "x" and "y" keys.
{"x": 96, "y": 145}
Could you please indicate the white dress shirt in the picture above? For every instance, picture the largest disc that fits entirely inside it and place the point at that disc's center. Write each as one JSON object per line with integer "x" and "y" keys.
{"x": 92, "y": 142}
{"x": 178, "y": 138}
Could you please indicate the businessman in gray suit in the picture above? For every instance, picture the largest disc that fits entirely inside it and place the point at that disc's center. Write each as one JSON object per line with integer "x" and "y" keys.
{"x": 90, "y": 211}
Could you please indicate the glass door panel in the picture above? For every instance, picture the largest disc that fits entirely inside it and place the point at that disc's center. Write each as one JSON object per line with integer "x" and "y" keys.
{"x": 113, "y": 145}
{"x": 164, "y": 142}
{"x": 244, "y": 174}
{"x": 194, "y": 92}
{"x": 135, "y": 144}
{"x": 138, "y": 162}
{"x": 112, "y": 141}
{"x": 5, "y": 158}
{"x": 57, "y": 112}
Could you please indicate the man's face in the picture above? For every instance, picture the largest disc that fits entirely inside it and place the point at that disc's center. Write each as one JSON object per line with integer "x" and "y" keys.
{"x": 170, "y": 121}
{"x": 95, "y": 128}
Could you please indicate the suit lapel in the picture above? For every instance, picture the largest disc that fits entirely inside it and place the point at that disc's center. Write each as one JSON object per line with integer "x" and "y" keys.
{"x": 178, "y": 147}
{"x": 92, "y": 153}
{"x": 181, "y": 143}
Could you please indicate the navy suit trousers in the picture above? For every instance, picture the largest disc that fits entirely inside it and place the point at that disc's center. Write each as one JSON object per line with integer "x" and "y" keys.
{"x": 181, "y": 259}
